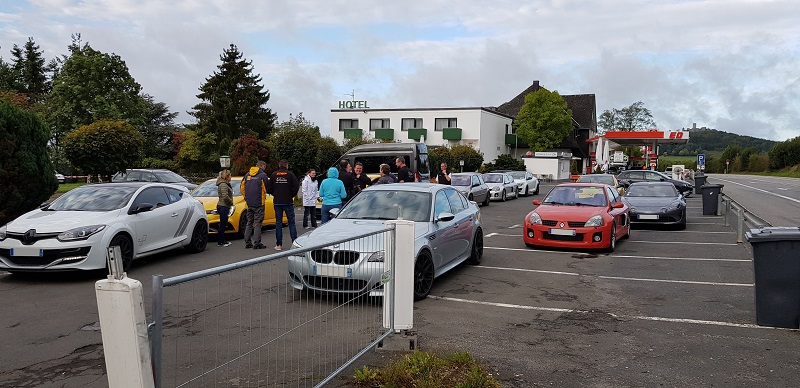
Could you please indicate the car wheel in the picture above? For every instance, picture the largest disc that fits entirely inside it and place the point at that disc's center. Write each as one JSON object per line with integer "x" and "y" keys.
{"x": 486, "y": 200}
{"x": 536, "y": 192}
{"x": 126, "y": 247}
{"x": 199, "y": 238}
{"x": 477, "y": 248}
{"x": 423, "y": 276}
{"x": 628, "y": 235}
{"x": 503, "y": 196}
{"x": 612, "y": 241}
{"x": 682, "y": 225}
{"x": 242, "y": 223}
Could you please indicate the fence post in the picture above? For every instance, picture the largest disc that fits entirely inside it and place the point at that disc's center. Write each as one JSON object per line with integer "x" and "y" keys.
{"x": 727, "y": 211}
{"x": 156, "y": 335}
{"x": 120, "y": 304}
{"x": 398, "y": 304}
{"x": 740, "y": 229}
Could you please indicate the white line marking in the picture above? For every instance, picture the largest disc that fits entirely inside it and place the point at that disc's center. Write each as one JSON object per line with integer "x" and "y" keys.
{"x": 619, "y": 256}
{"x": 761, "y": 190}
{"x": 677, "y": 281}
{"x": 681, "y": 242}
{"x": 529, "y": 270}
{"x": 639, "y": 317}
{"x": 782, "y": 188}
{"x": 683, "y": 231}
{"x": 515, "y": 226}
{"x": 703, "y": 223}
{"x": 490, "y": 235}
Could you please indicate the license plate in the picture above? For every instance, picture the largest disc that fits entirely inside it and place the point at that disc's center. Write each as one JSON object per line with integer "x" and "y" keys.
{"x": 26, "y": 251}
{"x": 337, "y": 272}
{"x": 648, "y": 216}
{"x": 562, "y": 232}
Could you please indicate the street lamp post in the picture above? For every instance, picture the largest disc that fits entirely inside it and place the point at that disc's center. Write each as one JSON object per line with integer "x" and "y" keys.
{"x": 225, "y": 161}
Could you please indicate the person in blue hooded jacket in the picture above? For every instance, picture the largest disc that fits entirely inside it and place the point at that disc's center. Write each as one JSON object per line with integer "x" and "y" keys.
{"x": 332, "y": 193}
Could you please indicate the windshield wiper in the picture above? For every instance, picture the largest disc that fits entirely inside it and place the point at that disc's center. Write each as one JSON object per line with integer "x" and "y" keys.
{"x": 377, "y": 218}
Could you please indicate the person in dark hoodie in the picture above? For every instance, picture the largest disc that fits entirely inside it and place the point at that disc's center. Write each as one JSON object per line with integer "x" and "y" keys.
{"x": 332, "y": 193}
{"x": 346, "y": 176}
{"x": 224, "y": 204}
{"x": 283, "y": 185}
{"x": 254, "y": 190}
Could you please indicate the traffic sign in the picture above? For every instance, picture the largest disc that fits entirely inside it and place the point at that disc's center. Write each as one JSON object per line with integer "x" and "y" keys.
{"x": 594, "y": 162}
{"x": 653, "y": 164}
{"x": 701, "y": 159}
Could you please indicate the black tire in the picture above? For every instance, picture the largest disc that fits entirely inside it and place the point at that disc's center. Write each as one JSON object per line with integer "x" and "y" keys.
{"x": 503, "y": 196}
{"x": 628, "y": 235}
{"x": 199, "y": 238}
{"x": 612, "y": 241}
{"x": 242, "y": 224}
{"x": 126, "y": 247}
{"x": 423, "y": 276}
{"x": 536, "y": 192}
{"x": 682, "y": 225}
{"x": 476, "y": 256}
{"x": 470, "y": 197}
{"x": 486, "y": 200}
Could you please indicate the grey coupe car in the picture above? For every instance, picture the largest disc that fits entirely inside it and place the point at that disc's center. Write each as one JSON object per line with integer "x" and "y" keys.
{"x": 501, "y": 186}
{"x": 656, "y": 203}
{"x": 473, "y": 187}
{"x": 447, "y": 232}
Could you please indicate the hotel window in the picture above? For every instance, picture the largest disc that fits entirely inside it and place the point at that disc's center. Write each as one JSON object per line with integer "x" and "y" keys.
{"x": 347, "y": 123}
{"x": 411, "y": 123}
{"x": 446, "y": 123}
{"x": 378, "y": 124}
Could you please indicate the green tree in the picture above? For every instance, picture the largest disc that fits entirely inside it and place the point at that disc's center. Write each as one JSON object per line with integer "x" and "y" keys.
{"x": 291, "y": 140}
{"x": 544, "y": 120}
{"x": 233, "y": 102}
{"x": 473, "y": 159}
{"x": 785, "y": 154}
{"x": 198, "y": 152}
{"x": 631, "y": 118}
{"x": 505, "y": 162}
{"x": 157, "y": 128}
{"x": 28, "y": 67}
{"x": 91, "y": 86}
{"x": 25, "y": 169}
{"x": 328, "y": 153}
{"x": 104, "y": 147}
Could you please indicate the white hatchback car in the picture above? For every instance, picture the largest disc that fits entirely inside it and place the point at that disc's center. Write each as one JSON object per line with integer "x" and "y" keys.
{"x": 74, "y": 231}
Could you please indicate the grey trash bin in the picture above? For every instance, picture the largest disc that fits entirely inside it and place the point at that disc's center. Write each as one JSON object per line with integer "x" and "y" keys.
{"x": 776, "y": 268}
{"x": 699, "y": 180}
{"x": 711, "y": 199}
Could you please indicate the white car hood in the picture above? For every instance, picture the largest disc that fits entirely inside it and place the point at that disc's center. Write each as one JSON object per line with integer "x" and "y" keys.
{"x": 493, "y": 185}
{"x": 45, "y": 221}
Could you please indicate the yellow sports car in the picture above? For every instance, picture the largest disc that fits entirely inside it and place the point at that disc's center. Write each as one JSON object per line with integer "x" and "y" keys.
{"x": 207, "y": 194}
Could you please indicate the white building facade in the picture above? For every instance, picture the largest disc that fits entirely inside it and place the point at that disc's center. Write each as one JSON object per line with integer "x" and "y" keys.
{"x": 484, "y": 129}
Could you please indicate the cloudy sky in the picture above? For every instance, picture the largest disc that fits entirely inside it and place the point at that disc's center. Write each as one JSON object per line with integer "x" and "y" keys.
{"x": 733, "y": 65}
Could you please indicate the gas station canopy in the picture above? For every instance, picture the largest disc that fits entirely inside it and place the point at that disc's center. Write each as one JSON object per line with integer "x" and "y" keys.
{"x": 648, "y": 138}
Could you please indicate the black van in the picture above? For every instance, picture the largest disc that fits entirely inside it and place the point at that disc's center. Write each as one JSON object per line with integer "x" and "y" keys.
{"x": 373, "y": 155}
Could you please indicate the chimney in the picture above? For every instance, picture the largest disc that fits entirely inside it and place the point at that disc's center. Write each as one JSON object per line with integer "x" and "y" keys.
{"x": 536, "y": 84}
{"x": 694, "y": 126}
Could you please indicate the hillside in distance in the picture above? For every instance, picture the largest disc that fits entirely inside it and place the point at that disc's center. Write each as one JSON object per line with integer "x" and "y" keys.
{"x": 713, "y": 141}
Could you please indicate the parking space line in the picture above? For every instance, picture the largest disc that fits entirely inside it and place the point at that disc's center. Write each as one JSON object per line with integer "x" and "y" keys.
{"x": 683, "y": 231}
{"x": 620, "y": 256}
{"x": 618, "y": 316}
{"x": 677, "y": 281}
{"x": 529, "y": 270}
{"x": 681, "y": 242}
{"x": 515, "y": 226}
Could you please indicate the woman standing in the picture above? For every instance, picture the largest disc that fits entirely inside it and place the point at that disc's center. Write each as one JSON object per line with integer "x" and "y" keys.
{"x": 224, "y": 204}
{"x": 310, "y": 189}
{"x": 332, "y": 193}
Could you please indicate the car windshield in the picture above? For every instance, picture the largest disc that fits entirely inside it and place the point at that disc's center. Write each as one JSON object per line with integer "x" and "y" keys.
{"x": 388, "y": 205}
{"x": 493, "y": 178}
{"x": 652, "y": 191}
{"x": 460, "y": 180}
{"x": 577, "y": 196}
{"x": 93, "y": 199}
{"x": 167, "y": 176}
{"x": 209, "y": 189}
{"x": 604, "y": 179}
{"x": 517, "y": 174}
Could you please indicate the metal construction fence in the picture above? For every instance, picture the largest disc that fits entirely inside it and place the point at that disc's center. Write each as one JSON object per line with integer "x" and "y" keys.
{"x": 245, "y": 325}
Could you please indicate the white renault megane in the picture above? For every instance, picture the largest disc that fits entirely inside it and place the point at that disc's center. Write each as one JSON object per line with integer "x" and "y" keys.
{"x": 74, "y": 232}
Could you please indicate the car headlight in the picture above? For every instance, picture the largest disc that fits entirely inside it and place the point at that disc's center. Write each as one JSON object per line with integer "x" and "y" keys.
{"x": 633, "y": 210}
{"x": 376, "y": 257}
{"x": 535, "y": 219}
{"x": 295, "y": 244}
{"x": 2, "y": 233}
{"x": 594, "y": 221}
{"x": 81, "y": 233}
{"x": 674, "y": 205}
{"x": 496, "y": 188}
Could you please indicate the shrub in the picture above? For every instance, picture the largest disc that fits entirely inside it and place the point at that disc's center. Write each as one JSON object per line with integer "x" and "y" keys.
{"x": 104, "y": 147}
{"x": 473, "y": 159}
{"x": 247, "y": 150}
{"x": 158, "y": 163}
{"x": 505, "y": 162}
{"x": 25, "y": 169}
{"x": 328, "y": 152}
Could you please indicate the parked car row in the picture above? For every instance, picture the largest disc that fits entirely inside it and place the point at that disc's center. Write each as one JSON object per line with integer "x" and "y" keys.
{"x": 497, "y": 185}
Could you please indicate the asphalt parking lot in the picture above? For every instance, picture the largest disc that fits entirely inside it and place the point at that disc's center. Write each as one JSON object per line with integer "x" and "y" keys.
{"x": 667, "y": 308}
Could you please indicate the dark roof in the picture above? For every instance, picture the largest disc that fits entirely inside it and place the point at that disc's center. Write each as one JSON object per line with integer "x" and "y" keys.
{"x": 513, "y": 107}
{"x": 583, "y": 106}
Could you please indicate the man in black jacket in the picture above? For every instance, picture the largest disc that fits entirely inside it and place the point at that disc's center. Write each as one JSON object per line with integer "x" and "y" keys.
{"x": 346, "y": 176}
{"x": 283, "y": 186}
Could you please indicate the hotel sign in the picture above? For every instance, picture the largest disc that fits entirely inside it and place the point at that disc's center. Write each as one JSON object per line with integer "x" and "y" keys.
{"x": 352, "y": 104}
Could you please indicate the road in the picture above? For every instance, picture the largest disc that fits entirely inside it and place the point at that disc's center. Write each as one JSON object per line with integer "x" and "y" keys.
{"x": 671, "y": 308}
{"x": 774, "y": 199}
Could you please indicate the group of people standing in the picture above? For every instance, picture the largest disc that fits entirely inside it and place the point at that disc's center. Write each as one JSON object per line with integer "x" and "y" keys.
{"x": 341, "y": 184}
